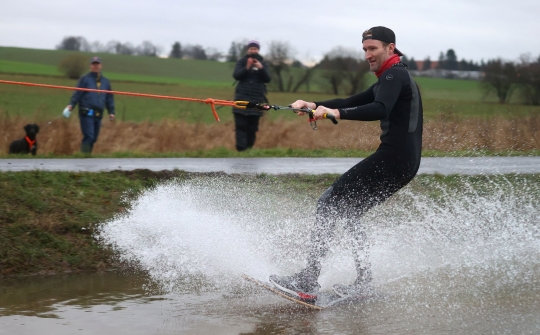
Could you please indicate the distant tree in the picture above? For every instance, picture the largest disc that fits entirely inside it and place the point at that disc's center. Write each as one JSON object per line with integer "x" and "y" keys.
{"x": 124, "y": 49}
{"x": 73, "y": 66}
{"x": 528, "y": 79}
{"x": 110, "y": 47}
{"x": 176, "y": 51}
{"x": 195, "y": 52}
{"x": 451, "y": 62}
{"x": 441, "y": 65}
{"x": 232, "y": 55}
{"x": 463, "y": 65}
{"x": 405, "y": 60}
{"x": 214, "y": 54}
{"x": 474, "y": 66}
{"x": 278, "y": 57}
{"x": 412, "y": 64}
{"x": 236, "y": 50}
{"x": 534, "y": 81}
{"x": 500, "y": 77}
{"x": 305, "y": 79}
{"x": 345, "y": 70}
{"x": 332, "y": 72}
{"x": 427, "y": 64}
{"x": 97, "y": 47}
{"x": 74, "y": 43}
{"x": 298, "y": 64}
{"x": 147, "y": 48}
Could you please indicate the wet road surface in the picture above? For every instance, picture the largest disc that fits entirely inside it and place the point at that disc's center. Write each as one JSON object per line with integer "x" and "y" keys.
{"x": 443, "y": 165}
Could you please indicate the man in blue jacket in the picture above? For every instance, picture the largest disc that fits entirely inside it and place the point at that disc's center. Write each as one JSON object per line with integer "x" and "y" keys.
{"x": 252, "y": 74}
{"x": 92, "y": 104}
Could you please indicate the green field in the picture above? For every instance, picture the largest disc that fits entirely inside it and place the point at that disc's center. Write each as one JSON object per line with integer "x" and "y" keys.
{"x": 199, "y": 79}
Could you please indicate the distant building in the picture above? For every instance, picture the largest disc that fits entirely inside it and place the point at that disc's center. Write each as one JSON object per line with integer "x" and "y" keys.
{"x": 434, "y": 72}
{"x": 420, "y": 65}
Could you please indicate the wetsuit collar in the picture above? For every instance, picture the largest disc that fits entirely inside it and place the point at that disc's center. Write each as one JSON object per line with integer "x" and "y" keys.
{"x": 387, "y": 64}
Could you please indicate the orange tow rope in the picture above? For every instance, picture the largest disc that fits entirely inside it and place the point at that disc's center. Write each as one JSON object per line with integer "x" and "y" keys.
{"x": 209, "y": 101}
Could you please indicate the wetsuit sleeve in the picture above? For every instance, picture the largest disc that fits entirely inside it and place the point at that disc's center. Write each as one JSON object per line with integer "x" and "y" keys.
{"x": 359, "y": 99}
{"x": 386, "y": 95}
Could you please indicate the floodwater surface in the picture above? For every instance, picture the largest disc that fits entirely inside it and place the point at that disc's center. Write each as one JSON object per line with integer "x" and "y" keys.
{"x": 444, "y": 261}
{"x": 118, "y": 303}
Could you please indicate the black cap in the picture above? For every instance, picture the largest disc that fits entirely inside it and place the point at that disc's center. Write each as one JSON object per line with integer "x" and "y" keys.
{"x": 383, "y": 34}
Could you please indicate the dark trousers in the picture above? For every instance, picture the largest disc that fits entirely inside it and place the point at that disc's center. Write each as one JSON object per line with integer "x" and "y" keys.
{"x": 246, "y": 127}
{"x": 90, "y": 126}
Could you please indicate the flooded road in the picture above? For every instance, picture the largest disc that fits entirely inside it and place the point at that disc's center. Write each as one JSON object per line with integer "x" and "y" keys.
{"x": 442, "y": 165}
{"x": 116, "y": 303}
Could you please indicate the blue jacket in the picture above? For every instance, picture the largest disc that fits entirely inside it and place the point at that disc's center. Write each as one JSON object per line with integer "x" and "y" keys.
{"x": 93, "y": 100}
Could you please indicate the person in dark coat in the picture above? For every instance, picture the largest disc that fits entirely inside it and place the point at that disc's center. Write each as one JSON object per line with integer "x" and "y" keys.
{"x": 92, "y": 104}
{"x": 252, "y": 74}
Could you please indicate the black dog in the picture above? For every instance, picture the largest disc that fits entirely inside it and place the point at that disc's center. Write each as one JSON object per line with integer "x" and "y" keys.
{"x": 26, "y": 144}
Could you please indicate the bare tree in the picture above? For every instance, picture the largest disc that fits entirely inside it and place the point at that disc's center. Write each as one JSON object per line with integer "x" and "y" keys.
{"x": 147, "y": 48}
{"x": 278, "y": 57}
{"x": 500, "y": 77}
{"x": 110, "y": 47}
{"x": 121, "y": 49}
{"x": 237, "y": 50}
{"x": 344, "y": 70}
{"x": 97, "y": 47}
{"x": 528, "y": 79}
{"x": 214, "y": 54}
{"x": 305, "y": 79}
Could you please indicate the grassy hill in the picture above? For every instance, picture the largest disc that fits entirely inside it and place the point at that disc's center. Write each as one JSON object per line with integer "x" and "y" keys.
{"x": 197, "y": 79}
{"x": 120, "y": 67}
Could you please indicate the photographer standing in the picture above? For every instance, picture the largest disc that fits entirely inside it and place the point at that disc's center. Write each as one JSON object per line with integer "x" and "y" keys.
{"x": 252, "y": 74}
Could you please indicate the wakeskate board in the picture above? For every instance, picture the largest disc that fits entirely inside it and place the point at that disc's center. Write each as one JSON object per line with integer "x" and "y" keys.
{"x": 324, "y": 299}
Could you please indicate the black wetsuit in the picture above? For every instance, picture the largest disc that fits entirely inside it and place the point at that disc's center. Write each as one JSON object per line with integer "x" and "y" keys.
{"x": 394, "y": 100}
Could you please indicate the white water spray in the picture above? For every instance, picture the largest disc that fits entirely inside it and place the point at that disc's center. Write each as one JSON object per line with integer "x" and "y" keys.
{"x": 211, "y": 230}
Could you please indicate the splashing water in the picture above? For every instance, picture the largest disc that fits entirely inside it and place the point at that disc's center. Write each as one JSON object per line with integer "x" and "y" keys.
{"x": 211, "y": 230}
{"x": 207, "y": 228}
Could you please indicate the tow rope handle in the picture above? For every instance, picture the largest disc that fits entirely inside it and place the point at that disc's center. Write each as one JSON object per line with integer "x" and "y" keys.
{"x": 313, "y": 122}
{"x": 264, "y": 107}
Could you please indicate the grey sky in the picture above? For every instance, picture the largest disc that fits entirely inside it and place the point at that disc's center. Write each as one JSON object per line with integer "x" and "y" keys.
{"x": 476, "y": 30}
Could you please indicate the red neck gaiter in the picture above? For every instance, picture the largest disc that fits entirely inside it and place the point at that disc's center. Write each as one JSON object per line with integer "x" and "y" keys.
{"x": 388, "y": 64}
